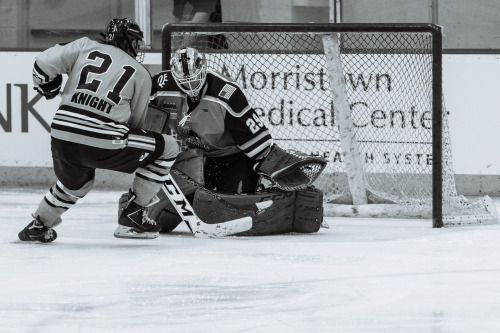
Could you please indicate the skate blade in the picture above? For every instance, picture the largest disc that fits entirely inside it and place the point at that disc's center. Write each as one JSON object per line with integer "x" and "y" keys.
{"x": 127, "y": 232}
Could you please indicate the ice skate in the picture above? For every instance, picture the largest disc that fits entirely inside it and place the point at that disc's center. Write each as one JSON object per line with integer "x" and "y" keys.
{"x": 36, "y": 231}
{"x": 133, "y": 222}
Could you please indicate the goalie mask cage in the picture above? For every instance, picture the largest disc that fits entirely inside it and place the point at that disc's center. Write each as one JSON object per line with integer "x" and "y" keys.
{"x": 367, "y": 97}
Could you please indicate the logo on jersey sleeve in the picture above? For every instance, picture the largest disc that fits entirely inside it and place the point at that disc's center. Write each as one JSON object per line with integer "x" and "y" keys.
{"x": 227, "y": 91}
{"x": 162, "y": 80}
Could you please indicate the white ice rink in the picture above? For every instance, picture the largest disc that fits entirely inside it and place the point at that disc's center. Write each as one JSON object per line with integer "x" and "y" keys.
{"x": 361, "y": 275}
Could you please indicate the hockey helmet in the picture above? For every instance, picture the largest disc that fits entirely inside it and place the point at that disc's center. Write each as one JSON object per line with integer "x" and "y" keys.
{"x": 126, "y": 35}
{"x": 189, "y": 69}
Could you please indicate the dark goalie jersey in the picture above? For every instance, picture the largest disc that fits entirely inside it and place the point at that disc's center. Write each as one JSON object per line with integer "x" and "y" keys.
{"x": 221, "y": 123}
{"x": 107, "y": 92}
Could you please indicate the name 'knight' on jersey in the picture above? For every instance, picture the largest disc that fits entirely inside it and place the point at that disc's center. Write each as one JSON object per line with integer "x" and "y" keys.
{"x": 102, "y": 96}
{"x": 221, "y": 122}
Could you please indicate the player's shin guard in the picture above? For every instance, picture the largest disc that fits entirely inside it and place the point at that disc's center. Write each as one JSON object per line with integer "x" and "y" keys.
{"x": 149, "y": 178}
{"x": 57, "y": 201}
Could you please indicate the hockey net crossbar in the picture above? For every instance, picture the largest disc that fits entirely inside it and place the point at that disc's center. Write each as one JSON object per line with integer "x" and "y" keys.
{"x": 367, "y": 97}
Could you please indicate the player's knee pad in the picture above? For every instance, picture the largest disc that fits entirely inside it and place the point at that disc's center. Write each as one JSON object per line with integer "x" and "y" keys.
{"x": 171, "y": 149}
{"x": 78, "y": 193}
{"x": 158, "y": 170}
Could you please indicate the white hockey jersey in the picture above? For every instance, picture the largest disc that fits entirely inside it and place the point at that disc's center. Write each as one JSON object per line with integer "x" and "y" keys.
{"x": 107, "y": 92}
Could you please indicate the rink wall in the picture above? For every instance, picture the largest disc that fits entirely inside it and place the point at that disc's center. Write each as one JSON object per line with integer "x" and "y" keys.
{"x": 470, "y": 91}
{"x": 43, "y": 177}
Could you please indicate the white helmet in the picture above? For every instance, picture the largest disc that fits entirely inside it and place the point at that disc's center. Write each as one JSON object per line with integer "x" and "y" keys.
{"x": 189, "y": 69}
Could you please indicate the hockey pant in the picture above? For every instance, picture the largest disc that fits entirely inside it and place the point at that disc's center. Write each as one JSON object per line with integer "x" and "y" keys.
{"x": 75, "y": 165}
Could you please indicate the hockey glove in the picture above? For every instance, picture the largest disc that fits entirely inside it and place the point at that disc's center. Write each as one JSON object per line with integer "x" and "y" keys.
{"x": 50, "y": 89}
{"x": 290, "y": 170}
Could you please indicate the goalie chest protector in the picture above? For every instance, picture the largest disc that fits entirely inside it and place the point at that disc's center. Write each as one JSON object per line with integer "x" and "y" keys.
{"x": 273, "y": 211}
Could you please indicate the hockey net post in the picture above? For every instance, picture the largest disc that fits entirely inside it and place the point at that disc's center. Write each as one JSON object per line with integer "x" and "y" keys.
{"x": 368, "y": 97}
{"x": 352, "y": 155}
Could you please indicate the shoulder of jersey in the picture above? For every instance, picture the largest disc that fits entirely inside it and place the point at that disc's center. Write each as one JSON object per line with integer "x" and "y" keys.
{"x": 219, "y": 83}
{"x": 81, "y": 40}
{"x": 163, "y": 81}
{"x": 226, "y": 91}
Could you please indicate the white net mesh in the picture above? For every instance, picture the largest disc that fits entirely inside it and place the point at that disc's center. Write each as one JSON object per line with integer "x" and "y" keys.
{"x": 388, "y": 78}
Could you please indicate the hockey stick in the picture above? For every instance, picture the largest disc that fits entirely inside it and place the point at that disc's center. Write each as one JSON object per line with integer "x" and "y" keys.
{"x": 199, "y": 228}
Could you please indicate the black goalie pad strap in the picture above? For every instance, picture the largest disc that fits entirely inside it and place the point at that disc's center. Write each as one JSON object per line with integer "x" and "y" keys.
{"x": 308, "y": 211}
{"x": 291, "y": 170}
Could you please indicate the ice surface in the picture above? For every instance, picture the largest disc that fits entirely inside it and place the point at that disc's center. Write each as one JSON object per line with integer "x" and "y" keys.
{"x": 361, "y": 275}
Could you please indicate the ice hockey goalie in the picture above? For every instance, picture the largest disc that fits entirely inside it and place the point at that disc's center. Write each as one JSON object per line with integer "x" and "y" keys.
{"x": 227, "y": 150}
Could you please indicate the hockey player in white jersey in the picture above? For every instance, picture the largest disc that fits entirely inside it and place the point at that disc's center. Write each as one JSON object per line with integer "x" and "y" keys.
{"x": 98, "y": 126}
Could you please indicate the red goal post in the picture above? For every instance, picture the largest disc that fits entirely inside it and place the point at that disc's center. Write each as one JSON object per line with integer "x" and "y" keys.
{"x": 368, "y": 97}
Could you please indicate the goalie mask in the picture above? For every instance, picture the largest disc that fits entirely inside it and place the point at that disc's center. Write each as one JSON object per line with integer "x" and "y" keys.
{"x": 126, "y": 35}
{"x": 189, "y": 69}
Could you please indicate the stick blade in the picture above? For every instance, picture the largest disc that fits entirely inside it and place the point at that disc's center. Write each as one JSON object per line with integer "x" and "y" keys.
{"x": 228, "y": 228}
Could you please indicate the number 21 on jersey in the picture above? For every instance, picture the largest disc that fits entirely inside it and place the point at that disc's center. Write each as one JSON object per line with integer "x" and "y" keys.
{"x": 113, "y": 94}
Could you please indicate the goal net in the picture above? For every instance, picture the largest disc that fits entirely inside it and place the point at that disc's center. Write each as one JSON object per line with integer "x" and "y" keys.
{"x": 359, "y": 95}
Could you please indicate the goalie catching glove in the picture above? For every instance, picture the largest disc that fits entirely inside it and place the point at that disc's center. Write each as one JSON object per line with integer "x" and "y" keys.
{"x": 50, "y": 89}
{"x": 291, "y": 170}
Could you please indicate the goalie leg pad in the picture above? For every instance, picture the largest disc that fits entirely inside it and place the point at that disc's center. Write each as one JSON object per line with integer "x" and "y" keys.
{"x": 291, "y": 170}
{"x": 164, "y": 214}
{"x": 190, "y": 163}
{"x": 272, "y": 211}
{"x": 308, "y": 211}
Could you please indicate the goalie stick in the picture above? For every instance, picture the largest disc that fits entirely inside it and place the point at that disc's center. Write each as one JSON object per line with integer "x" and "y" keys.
{"x": 199, "y": 228}
{"x": 213, "y": 194}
